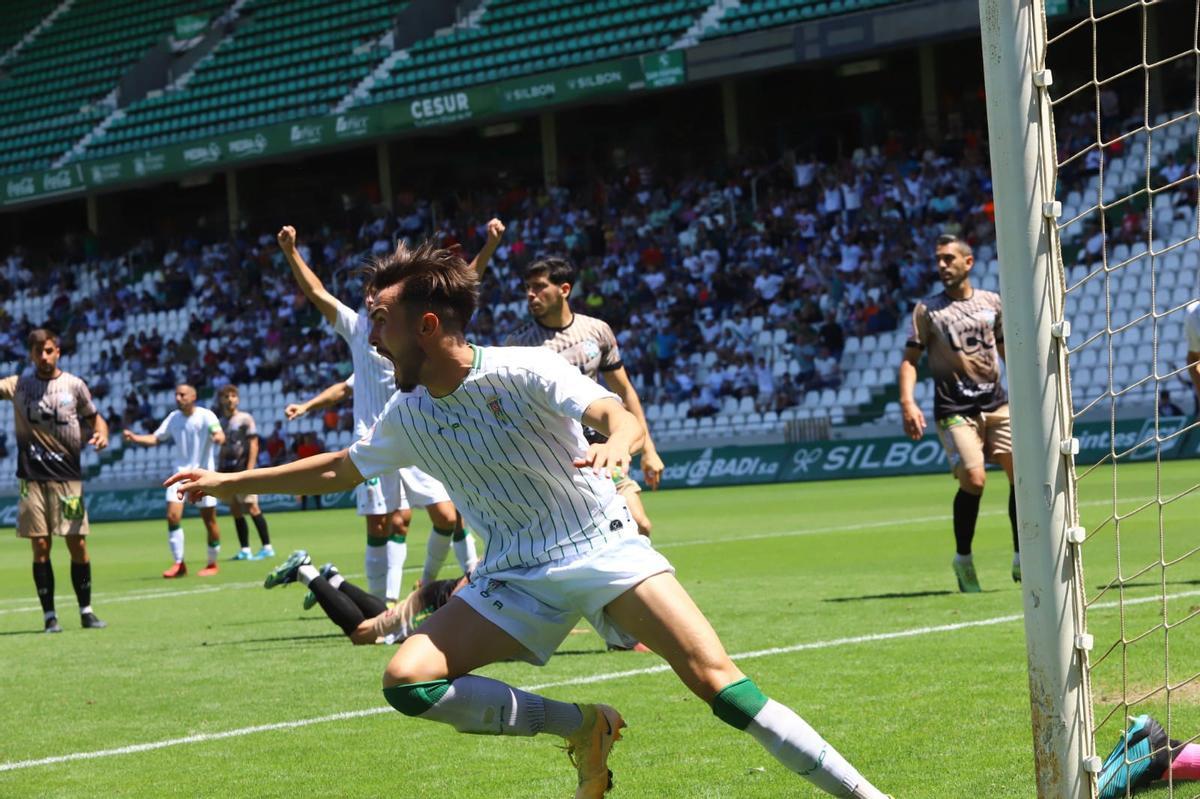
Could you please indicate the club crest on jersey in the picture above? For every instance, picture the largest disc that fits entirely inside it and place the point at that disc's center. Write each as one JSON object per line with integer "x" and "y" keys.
{"x": 498, "y": 411}
{"x": 591, "y": 349}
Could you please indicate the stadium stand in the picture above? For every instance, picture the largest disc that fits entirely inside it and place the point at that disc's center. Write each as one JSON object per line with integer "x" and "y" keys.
{"x": 750, "y": 15}
{"x": 56, "y": 83}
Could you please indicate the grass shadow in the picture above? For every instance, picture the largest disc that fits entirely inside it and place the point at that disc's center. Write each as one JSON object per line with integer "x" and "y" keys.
{"x": 896, "y": 595}
{"x": 276, "y": 639}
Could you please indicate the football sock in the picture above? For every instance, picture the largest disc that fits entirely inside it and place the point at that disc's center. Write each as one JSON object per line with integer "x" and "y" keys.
{"x": 243, "y": 531}
{"x": 966, "y": 512}
{"x": 371, "y": 606}
{"x": 81, "y": 579}
{"x": 306, "y": 573}
{"x": 1012, "y": 515}
{"x": 260, "y": 526}
{"x": 790, "y": 740}
{"x": 435, "y": 554}
{"x": 43, "y": 580}
{"x": 214, "y": 551}
{"x": 464, "y": 551}
{"x": 397, "y": 553}
{"x": 376, "y": 564}
{"x": 337, "y": 606}
{"x": 1186, "y": 765}
{"x": 337, "y": 580}
{"x": 175, "y": 541}
{"x": 484, "y": 706}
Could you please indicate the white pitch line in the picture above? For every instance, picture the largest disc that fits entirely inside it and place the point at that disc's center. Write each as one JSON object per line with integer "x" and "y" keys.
{"x": 586, "y": 680}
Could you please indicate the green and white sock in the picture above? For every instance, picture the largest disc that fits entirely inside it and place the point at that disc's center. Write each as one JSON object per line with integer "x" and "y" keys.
{"x": 484, "y": 706}
{"x": 464, "y": 551}
{"x": 175, "y": 542}
{"x": 435, "y": 554}
{"x": 397, "y": 553}
{"x": 790, "y": 740}
{"x": 376, "y": 564}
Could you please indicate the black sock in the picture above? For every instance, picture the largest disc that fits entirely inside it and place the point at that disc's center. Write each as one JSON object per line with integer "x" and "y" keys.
{"x": 260, "y": 524}
{"x": 966, "y": 511}
{"x": 239, "y": 524}
{"x": 1012, "y": 515}
{"x": 370, "y": 605}
{"x": 43, "y": 578}
{"x": 81, "y": 578}
{"x": 340, "y": 609}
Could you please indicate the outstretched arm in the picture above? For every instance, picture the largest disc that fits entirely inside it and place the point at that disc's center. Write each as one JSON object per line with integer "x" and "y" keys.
{"x": 652, "y": 465}
{"x": 144, "y": 439}
{"x": 308, "y": 281}
{"x": 320, "y": 474}
{"x": 495, "y": 234}
{"x": 335, "y": 394}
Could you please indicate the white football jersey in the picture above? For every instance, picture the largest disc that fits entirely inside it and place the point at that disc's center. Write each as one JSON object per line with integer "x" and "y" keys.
{"x": 192, "y": 435}
{"x": 374, "y": 378}
{"x": 503, "y": 443}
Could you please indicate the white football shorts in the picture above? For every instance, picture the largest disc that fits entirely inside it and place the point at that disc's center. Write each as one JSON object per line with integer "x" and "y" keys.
{"x": 172, "y": 496}
{"x": 379, "y": 496}
{"x": 420, "y": 489}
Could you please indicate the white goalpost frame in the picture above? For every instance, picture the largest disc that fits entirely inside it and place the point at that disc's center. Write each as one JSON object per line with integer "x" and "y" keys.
{"x": 1023, "y": 161}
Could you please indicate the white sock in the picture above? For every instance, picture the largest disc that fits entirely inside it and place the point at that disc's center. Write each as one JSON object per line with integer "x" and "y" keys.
{"x": 963, "y": 558}
{"x": 306, "y": 573}
{"x": 336, "y": 580}
{"x": 397, "y": 553}
{"x": 485, "y": 706}
{"x": 245, "y": 550}
{"x": 797, "y": 746}
{"x": 175, "y": 541}
{"x": 435, "y": 555}
{"x": 464, "y": 551}
{"x": 376, "y": 563}
{"x": 214, "y": 552}
{"x": 85, "y": 610}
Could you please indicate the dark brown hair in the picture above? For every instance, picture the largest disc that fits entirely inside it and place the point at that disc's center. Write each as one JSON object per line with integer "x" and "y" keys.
{"x": 40, "y": 336}
{"x": 228, "y": 388}
{"x": 945, "y": 240}
{"x": 557, "y": 270}
{"x": 430, "y": 279}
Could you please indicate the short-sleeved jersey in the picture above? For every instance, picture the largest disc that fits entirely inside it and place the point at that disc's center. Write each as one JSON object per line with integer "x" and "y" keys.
{"x": 587, "y": 343}
{"x": 503, "y": 443}
{"x": 961, "y": 338}
{"x": 192, "y": 436}
{"x": 374, "y": 376}
{"x": 235, "y": 452}
{"x": 46, "y": 415}
{"x": 1192, "y": 323}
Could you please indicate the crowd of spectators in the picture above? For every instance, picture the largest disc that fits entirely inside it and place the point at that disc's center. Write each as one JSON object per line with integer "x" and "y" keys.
{"x": 679, "y": 265}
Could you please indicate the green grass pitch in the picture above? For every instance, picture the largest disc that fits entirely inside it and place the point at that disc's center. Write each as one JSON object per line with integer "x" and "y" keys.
{"x": 807, "y": 572}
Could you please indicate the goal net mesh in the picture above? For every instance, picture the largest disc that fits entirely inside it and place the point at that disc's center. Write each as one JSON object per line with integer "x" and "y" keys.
{"x": 1126, "y": 113}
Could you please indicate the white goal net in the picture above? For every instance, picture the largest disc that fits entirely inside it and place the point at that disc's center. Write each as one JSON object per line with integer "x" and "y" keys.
{"x": 1125, "y": 99}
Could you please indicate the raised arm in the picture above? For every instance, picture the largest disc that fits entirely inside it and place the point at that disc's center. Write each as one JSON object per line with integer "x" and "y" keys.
{"x": 308, "y": 281}
{"x": 335, "y": 394}
{"x": 652, "y": 465}
{"x": 495, "y": 234}
{"x": 320, "y": 474}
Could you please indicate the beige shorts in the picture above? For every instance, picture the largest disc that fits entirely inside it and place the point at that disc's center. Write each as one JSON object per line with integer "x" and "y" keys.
{"x": 51, "y": 508}
{"x": 971, "y": 441}
{"x": 246, "y": 499}
{"x": 626, "y": 485}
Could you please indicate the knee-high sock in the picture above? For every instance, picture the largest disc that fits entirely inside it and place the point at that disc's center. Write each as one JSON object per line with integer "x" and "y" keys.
{"x": 485, "y": 706}
{"x": 175, "y": 542}
{"x": 397, "y": 553}
{"x": 1012, "y": 516}
{"x": 43, "y": 581}
{"x": 377, "y": 566}
{"x": 966, "y": 513}
{"x": 243, "y": 531}
{"x": 260, "y": 525}
{"x": 340, "y": 609}
{"x": 790, "y": 740}
{"x": 435, "y": 554}
{"x": 464, "y": 551}
{"x": 81, "y": 580}
{"x": 370, "y": 605}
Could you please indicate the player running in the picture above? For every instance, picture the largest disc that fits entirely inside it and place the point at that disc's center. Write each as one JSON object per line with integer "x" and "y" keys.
{"x": 364, "y": 618}
{"x": 240, "y": 453}
{"x": 194, "y": 431}
{"x": 501, "y": 426}
{"x": 589, "y": 345}
{"x": 417, "y": 488}
{"x": 961, "y": 330}
{"x": 52, "y": 410}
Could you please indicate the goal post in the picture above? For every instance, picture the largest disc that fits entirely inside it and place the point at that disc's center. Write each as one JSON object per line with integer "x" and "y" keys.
{"x": 1023, "y": 161}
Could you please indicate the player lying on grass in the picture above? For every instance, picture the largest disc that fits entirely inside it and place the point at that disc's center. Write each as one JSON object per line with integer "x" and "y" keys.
{"x": 501, "y": 426}
{"x": 1143, "y": 756}
{"x": 363, "y": 617}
